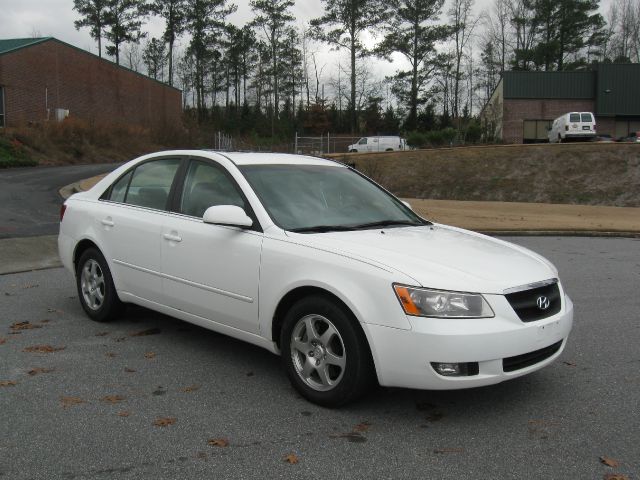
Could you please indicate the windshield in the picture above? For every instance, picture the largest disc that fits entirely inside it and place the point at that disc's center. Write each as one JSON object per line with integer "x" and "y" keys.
{"x": 325, "y": 198}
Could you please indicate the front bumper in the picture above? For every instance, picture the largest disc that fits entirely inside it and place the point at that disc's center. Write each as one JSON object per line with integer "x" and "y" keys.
{"x": 403, "y": 357}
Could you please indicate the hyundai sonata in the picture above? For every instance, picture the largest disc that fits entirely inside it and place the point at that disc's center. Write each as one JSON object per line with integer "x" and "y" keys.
{"x": 311, "y": 260}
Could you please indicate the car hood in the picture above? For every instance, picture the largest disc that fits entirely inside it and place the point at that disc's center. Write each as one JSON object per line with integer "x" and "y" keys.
{"x": 439, "y": 256}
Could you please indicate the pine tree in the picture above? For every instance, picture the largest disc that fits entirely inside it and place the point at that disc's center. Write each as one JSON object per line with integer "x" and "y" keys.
{"x": 93, "y": 16}
{"x": 272, "y": 20}
{"x": 412, "y": 33}
{"x": 342, "y": 26}
{"x": 123, "y": 20}
{"x": 174, "y": 14}
{"x": 155, "y": 58}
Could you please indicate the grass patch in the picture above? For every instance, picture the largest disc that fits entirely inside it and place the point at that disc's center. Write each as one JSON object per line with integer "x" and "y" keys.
{"x": 571, "y": 173}
{"x": 14, "y": 154}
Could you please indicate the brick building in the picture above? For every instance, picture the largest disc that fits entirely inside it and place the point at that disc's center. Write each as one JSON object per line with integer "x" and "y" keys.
{"x": 524, "y": 104}
{"x": 43, "y": 78}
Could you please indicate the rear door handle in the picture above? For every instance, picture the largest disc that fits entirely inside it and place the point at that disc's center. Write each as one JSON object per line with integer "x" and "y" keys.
{"x": 172, "y": 238}
{"x": 108, "y": 222}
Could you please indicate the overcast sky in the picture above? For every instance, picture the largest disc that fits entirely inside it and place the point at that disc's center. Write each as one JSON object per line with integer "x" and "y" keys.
{"x": 23, "y": 18}
{"x": 28, "y": 18}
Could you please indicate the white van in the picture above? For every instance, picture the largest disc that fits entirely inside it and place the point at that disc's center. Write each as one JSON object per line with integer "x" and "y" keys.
{"x": 572, "y": 125}
{"x": 378, "y": 144}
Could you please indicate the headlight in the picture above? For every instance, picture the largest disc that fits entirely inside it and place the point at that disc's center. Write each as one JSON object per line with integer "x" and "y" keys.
{"x": 424, "y": 302}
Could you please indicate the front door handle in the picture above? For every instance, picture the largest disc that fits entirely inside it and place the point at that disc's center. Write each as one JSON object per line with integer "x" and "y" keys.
{"x": 172, "y": 238}
{"x": 107, "y": 222}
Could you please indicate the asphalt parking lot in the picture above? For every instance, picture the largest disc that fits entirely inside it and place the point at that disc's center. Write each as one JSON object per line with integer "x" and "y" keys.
{"x": 152, "y": 397}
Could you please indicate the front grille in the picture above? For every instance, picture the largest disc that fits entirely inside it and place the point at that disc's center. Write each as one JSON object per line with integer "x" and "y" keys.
{"x": 525, "y": 303}
{"x": 525, "y": 360}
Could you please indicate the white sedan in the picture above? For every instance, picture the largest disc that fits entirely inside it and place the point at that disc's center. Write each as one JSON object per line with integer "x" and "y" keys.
{"x": 313, "y": 261}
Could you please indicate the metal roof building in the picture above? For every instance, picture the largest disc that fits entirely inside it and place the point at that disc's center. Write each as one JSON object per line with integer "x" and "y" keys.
{"x": 525, "y": 103}
{"x": 43, "y": 79}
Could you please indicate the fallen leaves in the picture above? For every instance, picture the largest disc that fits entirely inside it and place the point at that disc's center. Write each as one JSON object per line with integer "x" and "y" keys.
{"x": 26, "y": 325}
{"x": 112, "y": 399}
{"x": 292, "y": 459}
{"x": 8, "y": 383}
{"x": 129, "y": 370}
{"x": 362, "y": 427}
{"x": 353, "y": 437}
{"x": 150, "y": 355}
{"x": 448, "y": 450}
{"x": 54, "y": 310}
{"x": 3, "y": 341}
{"x": 101, "y": 334}
{"x": 123, "y": 413}
{"x": 110, "y": 354}
{"x": 615, "y": 476}
{"x": 42, "y": 349}
{"x": 37, "y": 370}
{"x": 609, "y": 462}
{"x": 218, "y": 442}
{"x": 164, "y": 421}
{"x": 191, "y": 388}
{"x": 144, "y": 333}
{"x": 569, "y": 364}
{"x": 71, "y": 401}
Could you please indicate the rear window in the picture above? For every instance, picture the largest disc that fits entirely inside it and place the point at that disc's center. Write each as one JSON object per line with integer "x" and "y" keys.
{"x": 574, "y": 117}
{"x": 586, "y": 117}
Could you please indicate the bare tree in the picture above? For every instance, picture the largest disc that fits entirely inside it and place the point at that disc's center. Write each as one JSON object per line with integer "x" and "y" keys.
{"x": 132, "y": 56}
{"x": 463, "y": 23}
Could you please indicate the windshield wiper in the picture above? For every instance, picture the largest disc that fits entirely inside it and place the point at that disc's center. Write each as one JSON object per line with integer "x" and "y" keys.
{"x": 323, "y": 228}
{"x": 388, "y": 223}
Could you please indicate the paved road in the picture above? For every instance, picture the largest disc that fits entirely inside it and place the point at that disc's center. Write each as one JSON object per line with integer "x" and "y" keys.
{"x": 29, "y": 199}
{"x": 92, "y": 416}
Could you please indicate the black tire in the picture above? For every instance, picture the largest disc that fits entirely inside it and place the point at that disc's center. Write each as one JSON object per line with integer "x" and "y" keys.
{"x": 353, "y": 150}
{"x": 357, "y": 374}
{"x": 389, "y": 150}
{"x": 96, "y": 291}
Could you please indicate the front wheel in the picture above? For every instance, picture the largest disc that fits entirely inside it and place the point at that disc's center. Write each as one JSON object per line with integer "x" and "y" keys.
{"x": 96, "y": 291}
{"x": 324, "y": 352}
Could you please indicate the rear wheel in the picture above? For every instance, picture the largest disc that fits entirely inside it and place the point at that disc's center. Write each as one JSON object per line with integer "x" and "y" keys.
{"x": 353, "y": 150}
{"x": 324, "y": 352}
{"x": 96, "y": 291}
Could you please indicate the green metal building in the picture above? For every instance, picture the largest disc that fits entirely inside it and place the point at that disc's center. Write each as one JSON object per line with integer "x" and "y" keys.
{"x": 524, "y": 104}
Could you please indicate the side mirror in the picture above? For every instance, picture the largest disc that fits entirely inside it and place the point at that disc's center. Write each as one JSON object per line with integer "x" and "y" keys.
{"x": 407, "y": 204}
{"x": 227, "y": 215}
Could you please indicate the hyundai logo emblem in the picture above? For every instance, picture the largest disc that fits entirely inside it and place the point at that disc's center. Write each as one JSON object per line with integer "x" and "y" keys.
{"x": 543, "y": 303}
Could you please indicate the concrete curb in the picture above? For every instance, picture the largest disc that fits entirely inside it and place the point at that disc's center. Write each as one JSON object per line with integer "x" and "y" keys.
{"x": 68, "y": 190}
{"x": 559, "y": 233}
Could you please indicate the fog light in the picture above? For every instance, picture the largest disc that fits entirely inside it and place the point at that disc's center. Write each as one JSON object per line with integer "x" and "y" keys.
{"x": 447, "y": 369}
{"x": 466, "y": 369}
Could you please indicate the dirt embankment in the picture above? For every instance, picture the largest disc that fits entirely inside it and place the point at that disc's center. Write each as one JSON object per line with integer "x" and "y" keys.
{"x": 579, "y": 173}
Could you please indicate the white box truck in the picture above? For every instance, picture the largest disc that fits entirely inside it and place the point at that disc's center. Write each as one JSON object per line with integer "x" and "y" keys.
{"x": 378, "y": 144}
{"x": 576, "y": 125}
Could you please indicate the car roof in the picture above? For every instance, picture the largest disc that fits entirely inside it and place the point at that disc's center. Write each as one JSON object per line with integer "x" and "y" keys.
{"x": 253, "y": 158}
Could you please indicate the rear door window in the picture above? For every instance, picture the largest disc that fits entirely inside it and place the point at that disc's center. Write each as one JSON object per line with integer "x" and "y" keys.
{"x": 574, "y": 117}
{"x": 586, "y": 117}
{"x": 119, "y": 189}
{"x": 151, "y": 183}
